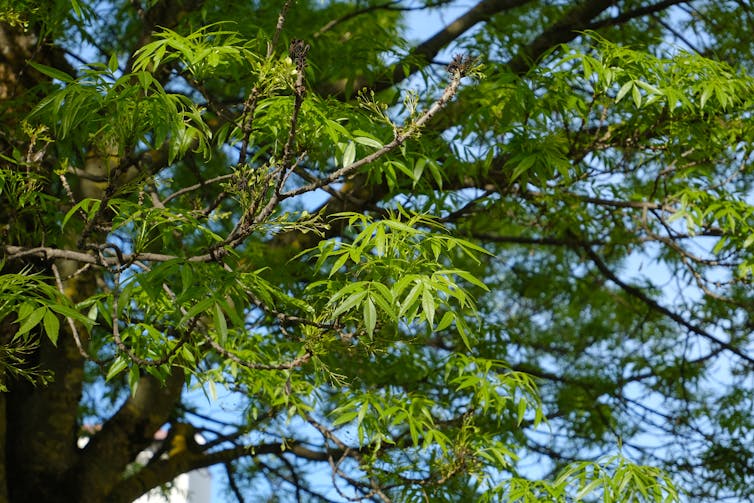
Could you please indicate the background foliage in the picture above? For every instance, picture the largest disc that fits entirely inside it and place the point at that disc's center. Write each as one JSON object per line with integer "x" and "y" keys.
{"x": 509, "y": 261}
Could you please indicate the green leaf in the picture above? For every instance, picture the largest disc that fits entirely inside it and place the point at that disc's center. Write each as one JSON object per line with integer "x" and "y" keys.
{"x": 624, "y": 90}
{"x": 370, "y": 316}
{"x": 344, "y": 418}
{"x": 636, "y": 95}
{"x": 462, "y": 331}
{"x": 349, "y": 154}
{"x": 523, "y": 166}
{"x": 383, "y": 298}
{"x": 350, "y": 302}
{"x": 200, "y": 307}
{"x": 134, "y": 377}
{"x": 465, "y": 275}
{"x": 411, "y": 299}
{"x": 521, "y": 412}
{"x": 428, "y": 306}
{"x": 434, "y": 170}
{"x": 212, "y": 390}
{"x": 649, "y": 88}
{"x": 339, "y": 264}
{"x": 52, "y": 326}
{"x": 418, "y": 170}
{"x": 51, "y": 72}
{"x": 588, "y": 489}
{"x": 706, "y": 94}
{"x": 25, "y": 309}
{"x": 119, "y": 365}
{"x": 32, "y": 320}
{"x": 220, "y": 324}
{"x": 188, "y": 355}
{"x": 93, "y": 312}
{"x": 76, "y": 8}
{"x": 112, "y": 63}
{"x": 88, "y": 205}
{"x": 749, "y": 240}
{"x": 446, "y": 320}
{"x": 369, "y": 142}
{"x": 66, "y": 311}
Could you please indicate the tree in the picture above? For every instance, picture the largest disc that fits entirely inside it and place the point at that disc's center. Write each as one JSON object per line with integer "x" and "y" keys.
{"x": 522, "y": 271}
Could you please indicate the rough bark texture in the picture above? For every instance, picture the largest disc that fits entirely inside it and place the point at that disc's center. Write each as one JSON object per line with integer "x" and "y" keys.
{"x": 39, "y": 426}
{"x": 43, "y": 428}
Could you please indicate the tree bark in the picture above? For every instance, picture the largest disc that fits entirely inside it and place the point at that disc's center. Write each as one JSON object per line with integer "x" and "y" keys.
{"x": 128, "y": 432}
{"x": 42, "y": 427}
{"x": 39, "y": 426}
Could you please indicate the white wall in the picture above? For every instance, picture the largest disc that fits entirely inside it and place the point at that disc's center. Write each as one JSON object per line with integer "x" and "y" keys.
{"x": 193, "y": 487}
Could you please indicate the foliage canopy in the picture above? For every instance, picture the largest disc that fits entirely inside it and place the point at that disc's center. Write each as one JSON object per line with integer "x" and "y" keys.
{"x": 511, "y": 261}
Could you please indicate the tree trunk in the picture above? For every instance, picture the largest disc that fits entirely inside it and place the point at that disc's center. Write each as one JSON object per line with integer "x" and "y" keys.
{"x": 39, "y": 427}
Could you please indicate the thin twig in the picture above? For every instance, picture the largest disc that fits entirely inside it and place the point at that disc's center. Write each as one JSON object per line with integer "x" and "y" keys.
{"x": 247, "y": 126}
{"x": 144, "y": 362}
{"x": 196, "y": 186}
{"x": 346, "y": 452}
{"x": 296, "y": 362}
{"x": 232, "y": 482}
{"x": 400, "y": 138}
{"x": 279, "y": 175}
{"x": 637, "y": 293}
{"x": 278, "y": 27}
{"x": 72, "y": 325}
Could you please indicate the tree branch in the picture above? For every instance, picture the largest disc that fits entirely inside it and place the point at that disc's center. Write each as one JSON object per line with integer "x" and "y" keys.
{"x": 128, "y": 432}
{"x": 427, "y": 50}
{"x": 163, "y": 471}
{"x": 637, "y": 293}
{"x": 634, "y": 13}
{"x": 567, "y": 28}
{"x": 400, "y": 138}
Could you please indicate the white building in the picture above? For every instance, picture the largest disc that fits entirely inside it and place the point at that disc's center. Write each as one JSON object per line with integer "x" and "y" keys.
{"x": 192, "y": 487}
